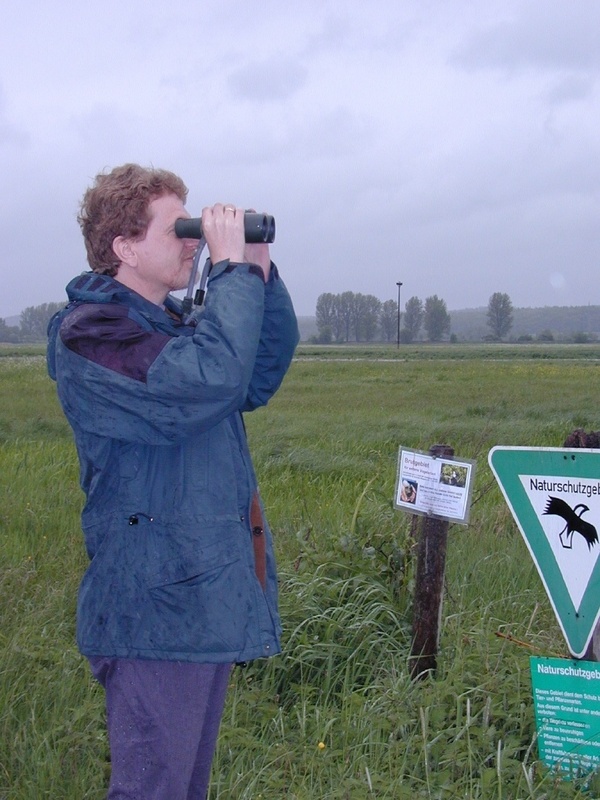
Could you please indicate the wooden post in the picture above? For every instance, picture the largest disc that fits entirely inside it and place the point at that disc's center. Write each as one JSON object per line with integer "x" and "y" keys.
{"x": 593, "y": 651}
{"x": 429, "y": 586}
{"x": 591, "y": 441}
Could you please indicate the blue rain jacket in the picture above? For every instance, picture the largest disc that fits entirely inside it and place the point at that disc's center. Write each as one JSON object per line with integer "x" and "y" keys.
{"x": 155, "y": 406}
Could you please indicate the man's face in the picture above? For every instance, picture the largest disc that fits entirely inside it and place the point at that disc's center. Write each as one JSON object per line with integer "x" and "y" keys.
{"x": 164, "y": 262}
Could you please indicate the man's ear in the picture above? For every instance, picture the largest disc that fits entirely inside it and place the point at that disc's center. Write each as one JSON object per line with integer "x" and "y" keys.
{"x": 123, "y": 251}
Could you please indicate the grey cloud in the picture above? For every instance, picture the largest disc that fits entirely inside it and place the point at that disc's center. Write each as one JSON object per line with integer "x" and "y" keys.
{"x": 337, "y": 133}
{"x": 570, "y": 88}
{"x": 357, "y": 29}
{"x": 10, "y": 134}
{"x": 543, "y": 35}
{"x": 268, "y": 81}
{"x": 104, "y": 126}
{"x": 334, "y": 32}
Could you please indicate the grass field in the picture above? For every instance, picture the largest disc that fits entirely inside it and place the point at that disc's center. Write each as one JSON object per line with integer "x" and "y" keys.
{"x": 337, "y": 715}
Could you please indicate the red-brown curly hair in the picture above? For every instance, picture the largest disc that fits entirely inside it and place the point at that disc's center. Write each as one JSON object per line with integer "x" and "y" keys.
{"x": 118, "y": 205}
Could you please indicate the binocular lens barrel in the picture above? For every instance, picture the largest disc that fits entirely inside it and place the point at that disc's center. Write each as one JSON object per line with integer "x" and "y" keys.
{"x": 257, "y": 228}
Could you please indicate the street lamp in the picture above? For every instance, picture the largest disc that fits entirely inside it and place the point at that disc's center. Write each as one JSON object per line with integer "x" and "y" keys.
{"x": 398, "y": 284}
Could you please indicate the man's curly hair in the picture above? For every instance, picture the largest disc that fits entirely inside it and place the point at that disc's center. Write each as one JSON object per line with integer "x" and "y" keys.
{"x": 118, "y": 204}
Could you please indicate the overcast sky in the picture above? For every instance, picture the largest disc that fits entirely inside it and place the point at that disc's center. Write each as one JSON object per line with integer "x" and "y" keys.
{"x": 453, "y": 145}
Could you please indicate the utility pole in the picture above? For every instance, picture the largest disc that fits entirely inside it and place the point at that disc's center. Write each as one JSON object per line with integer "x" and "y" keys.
{"x": 398, "y": 284}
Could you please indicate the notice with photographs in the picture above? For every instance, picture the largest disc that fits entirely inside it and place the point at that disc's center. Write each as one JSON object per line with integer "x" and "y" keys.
{"x": 435, "y": 486}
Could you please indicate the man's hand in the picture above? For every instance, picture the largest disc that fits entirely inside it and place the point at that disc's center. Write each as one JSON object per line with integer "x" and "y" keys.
{"x": 258, "y": 254}
{"x": 223, "y": 229}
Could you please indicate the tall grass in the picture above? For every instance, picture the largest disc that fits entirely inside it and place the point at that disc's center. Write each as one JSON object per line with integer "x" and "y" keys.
{"x": 336, "y": 716}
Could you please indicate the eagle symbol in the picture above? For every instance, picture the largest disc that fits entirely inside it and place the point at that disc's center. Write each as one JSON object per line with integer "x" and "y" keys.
{"x": 573, "y": 520}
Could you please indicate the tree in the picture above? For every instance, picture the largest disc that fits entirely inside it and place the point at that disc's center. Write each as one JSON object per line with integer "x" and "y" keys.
{"x": 345, "y": 303}
{"x": 356, "y": 315}
{"x": 338, "y": 315}
{"x": 388, "y": 320}
{"x": 9, "y": 333}
{"x": 326, "y": 313}
{"x": 324, "y": 336}
{"x": 337, "y": 323}
{"x": 413, "y": 319}
{"x": 499, "y": 314}
{"x": 365, "y": 316}
{"x": 436, "y": 318}
{"x": 35, "y": 319}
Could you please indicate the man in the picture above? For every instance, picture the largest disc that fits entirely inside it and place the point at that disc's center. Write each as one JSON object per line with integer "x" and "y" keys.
{"x": 182, "y": 582}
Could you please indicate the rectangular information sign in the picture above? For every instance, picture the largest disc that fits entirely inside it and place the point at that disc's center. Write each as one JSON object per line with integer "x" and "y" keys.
{"x": 434, "y": 486}
{"x": 566, "y": 697}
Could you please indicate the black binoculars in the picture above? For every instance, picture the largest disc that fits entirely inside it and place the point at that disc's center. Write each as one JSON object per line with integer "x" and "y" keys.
{"x": 257, "y": 228}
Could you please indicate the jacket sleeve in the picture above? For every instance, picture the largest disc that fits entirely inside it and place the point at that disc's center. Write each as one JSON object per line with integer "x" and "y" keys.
{"x": 278, "y": 339}
{"x": 118, "y": 380}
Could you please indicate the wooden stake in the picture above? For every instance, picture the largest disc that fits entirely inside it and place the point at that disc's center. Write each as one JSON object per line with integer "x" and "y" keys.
{"x": 429, "y": 586}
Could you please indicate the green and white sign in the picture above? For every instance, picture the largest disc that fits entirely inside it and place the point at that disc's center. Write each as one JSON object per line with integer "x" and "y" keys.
{"x": 554, "y": 496}
{"x": 566, "y": 697}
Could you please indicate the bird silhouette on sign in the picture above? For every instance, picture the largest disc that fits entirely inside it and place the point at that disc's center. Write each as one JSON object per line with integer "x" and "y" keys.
{"x": 573, "y": 520}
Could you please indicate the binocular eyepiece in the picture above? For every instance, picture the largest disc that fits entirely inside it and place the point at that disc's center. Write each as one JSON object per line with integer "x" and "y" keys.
{"x": 257, "y": 228}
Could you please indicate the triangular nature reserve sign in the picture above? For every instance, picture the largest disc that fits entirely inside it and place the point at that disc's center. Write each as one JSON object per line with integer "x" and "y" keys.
{"x": 554, "y": 496}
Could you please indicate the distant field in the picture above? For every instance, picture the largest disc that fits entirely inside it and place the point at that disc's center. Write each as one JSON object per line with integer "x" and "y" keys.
{"x": 458, "y": 352}
{"x": 336, "y": 716}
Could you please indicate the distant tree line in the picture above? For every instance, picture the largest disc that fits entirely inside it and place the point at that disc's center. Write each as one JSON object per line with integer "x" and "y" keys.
{"x": 500, "y": 320}
{"x": 351, "y": 316}
{"x": 33, "y": 324}
{"x": 355, "y": 317}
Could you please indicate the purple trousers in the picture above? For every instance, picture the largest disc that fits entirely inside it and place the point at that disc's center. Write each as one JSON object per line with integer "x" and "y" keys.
{"x": 163, "y": 718}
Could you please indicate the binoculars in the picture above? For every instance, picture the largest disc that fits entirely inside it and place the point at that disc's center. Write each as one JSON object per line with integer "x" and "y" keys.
{"x": 257, "y": 228}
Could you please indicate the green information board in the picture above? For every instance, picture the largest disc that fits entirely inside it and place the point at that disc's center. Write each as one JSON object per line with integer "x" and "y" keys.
{"x": 566, "y": 696}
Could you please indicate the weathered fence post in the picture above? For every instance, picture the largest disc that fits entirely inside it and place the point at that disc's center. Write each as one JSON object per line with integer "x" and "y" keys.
{"x": 429, "y": 585}
{"x": 593, "y": 651}
{"x": 591, "y": 441}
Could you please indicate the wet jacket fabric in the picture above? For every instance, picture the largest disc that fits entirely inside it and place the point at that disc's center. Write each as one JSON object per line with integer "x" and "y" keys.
{"x": 156, "y": 410}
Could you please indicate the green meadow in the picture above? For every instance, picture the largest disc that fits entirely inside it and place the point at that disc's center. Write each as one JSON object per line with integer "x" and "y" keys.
{"x": 336, "y": 715}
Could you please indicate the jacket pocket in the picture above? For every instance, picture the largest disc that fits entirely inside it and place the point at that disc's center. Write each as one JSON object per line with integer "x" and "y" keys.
{"x": 196, "y": 603}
